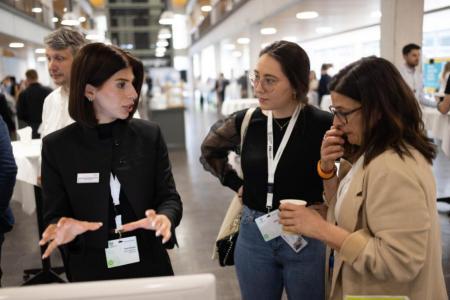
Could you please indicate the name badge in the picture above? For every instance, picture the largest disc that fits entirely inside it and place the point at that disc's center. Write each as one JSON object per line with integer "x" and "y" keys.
{"x": 269, "y": 226}
{"x": 122, "y": 252}
{"x": 88, "y": 177}
{"x": 295, "y": 241}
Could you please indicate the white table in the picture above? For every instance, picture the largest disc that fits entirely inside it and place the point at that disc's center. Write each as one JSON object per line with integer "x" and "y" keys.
{"x": 438, "y": 125}
{"x": 27, "y": 156}
{"x": 232, "y": 105}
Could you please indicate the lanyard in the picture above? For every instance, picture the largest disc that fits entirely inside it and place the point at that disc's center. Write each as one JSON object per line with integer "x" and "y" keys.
{"x": 115, "y": 194}
{"x": 272, "y": 162}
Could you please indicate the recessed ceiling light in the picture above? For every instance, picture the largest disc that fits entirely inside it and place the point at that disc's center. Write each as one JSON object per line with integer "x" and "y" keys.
{"x": 324, "y": 29}
{"x": 39, "y": 51}
{"x": 243, "y": 40}
{"x": 206, "y": 8}
{"x": 16, "y": 45}
{"x": 305, "y": 15}
{"x": 36, "y": 10}
{"x": 268, "y": 30}
{"x": 162, "y": 43}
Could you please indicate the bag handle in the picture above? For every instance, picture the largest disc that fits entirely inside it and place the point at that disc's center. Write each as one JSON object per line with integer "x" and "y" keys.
{"x": 244, "y": 126}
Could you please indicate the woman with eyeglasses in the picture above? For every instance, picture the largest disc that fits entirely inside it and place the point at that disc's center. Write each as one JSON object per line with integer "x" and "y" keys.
{"x": 382, "y": 220}
{"x": 280, "y": 151}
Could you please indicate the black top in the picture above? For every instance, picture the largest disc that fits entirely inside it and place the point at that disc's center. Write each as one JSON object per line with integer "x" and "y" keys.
{"x": 447, "y": 86}
{"x": 295, "y": 177}
{"x": 31, "y": 102}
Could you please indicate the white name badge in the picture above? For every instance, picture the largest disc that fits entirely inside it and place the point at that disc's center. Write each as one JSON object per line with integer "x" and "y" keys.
{"x": 269, "y": 226}
{"x": 122, "y": 252}
{"x": 295, "y": 241}
{"x": 88, "y": 177}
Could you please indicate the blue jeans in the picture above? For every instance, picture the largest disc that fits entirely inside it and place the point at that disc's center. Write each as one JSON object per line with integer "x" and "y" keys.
{"x": 265, "y": 268}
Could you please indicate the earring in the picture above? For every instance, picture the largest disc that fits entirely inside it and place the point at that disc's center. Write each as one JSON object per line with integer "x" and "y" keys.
{"x": 90, "y": 99}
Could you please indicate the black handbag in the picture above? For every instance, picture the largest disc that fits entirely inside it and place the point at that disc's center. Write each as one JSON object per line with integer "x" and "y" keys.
{"x": 225, "y": 249}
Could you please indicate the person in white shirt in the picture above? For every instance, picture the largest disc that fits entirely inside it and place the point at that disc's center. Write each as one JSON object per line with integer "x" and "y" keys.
{"x": 61, "y": 47}
{"x": 412, "y": 74}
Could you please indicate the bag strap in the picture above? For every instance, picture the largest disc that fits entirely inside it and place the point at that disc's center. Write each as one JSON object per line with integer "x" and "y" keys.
{"x": 245, "y": 122}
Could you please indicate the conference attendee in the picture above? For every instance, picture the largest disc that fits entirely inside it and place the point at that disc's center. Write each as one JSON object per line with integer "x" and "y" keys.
{"x": 61, "y": 46}
{"x": 324, "y": 81}
{"x": 8, "y": 171}
{"x": 382, "y": 218}
{"x": 279, "y": 156}
{"x": 444, "y": 104}
{"x": 219, "y": 87}
{"x": 31, "y": 102}
{"x": 110, "y": 200}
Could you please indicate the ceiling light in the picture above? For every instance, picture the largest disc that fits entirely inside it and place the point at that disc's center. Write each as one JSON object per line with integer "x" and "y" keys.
{"x": 229, "y": 46}
{"x": 36, "y": 10}
{"x": 55, "y": 19}
{"x": 16, "y": 45}
{"x": 82, "y": 19}
{"x": 164, "y": 33}
{"x": 290, "y": 39}
{"x": 39, "y": 51}
{"x": 166, "y": 18}
{"x": 268, "y": 30}
{"x": 243, "y": 40}
{"x": 159, "y": 54}
{"x": 237, "y": 53}
{"x": 376, "y": 14}
{"x": 324, "y": 29}
{"x": 206, "y": 8}
{"x": 70, "y": 19}
{"x": 162, "y": 43}
{"x": 42, "y": 59}
{"x": 305, "y": 15}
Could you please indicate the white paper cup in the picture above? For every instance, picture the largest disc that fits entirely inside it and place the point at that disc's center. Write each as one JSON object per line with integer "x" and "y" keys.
{"x": 292, "y": 201}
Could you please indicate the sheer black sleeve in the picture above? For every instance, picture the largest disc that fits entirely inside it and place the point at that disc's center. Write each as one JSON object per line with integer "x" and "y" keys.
{"x": 223, "y": 137}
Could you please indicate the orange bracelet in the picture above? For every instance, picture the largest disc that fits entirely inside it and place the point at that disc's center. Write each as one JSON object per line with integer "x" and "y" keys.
{"x": 325, "y": 175}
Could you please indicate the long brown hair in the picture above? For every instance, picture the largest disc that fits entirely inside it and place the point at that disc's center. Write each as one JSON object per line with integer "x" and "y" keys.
{"x": 391, "y": 114}
{"x": 94, "y": 64}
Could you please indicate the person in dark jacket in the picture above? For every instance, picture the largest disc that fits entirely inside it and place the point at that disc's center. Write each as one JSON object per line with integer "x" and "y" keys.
{"x": 324, "y": 81}
{"x": 8, "y": 172}
{"x": 109, "y": 195}
{"x": 7, "y": 116}
{"x": 31, "y": 101}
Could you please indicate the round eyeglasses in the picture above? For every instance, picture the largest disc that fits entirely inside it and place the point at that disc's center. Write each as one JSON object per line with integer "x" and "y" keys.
{"x": 267, "y": 83}
{"x": 341, "y": 115}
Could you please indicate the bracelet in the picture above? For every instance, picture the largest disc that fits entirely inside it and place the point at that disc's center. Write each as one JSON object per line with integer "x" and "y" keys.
{"x": 323, "y": 174}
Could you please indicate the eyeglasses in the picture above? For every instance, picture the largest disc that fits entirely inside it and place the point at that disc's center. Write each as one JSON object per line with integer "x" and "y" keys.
{"x": 342, "y": 116}
{"x": 267, "y": 83}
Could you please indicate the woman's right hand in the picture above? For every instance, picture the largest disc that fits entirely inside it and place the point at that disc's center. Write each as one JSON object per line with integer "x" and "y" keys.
{"x": 332, "y": 148}
{"x": 65, "y": 231}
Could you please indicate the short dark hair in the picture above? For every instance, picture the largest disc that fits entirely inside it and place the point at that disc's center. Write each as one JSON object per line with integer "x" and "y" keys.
{"x": 295, "y": 65}
{"x": 410, "y": 47}
{"x": 94, "y": 64}
{"x": 392, "y": 116}
{"x": 31, "y": 74}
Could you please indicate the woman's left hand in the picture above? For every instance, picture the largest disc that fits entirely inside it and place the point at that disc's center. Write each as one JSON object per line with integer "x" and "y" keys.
{"x": 301, "y": 220}
{"x": 158, "y": 222}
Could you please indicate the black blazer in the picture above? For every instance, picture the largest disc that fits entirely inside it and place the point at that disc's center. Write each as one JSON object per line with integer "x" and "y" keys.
{"x": 138, "y": 156}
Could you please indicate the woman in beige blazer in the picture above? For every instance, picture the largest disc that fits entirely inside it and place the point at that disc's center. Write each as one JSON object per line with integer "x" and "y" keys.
{"x": 382, "y": 224}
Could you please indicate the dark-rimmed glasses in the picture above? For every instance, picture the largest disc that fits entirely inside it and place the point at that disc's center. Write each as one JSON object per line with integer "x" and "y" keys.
{"x": 342, "y": 116}
{"x": 267, "y": 83}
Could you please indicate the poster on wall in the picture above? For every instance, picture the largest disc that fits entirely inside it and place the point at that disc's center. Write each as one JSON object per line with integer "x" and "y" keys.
{"x": 432, "y": 70}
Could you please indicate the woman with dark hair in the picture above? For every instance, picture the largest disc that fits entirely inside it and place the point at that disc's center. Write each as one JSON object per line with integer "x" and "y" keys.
{"x": 382, "y": 218}
{"x": 109, "y": 195}
{"x": 278, "y": 159}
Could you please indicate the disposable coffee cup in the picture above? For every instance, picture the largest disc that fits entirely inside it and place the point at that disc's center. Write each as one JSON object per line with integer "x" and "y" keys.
{"x": 292, "y": 201}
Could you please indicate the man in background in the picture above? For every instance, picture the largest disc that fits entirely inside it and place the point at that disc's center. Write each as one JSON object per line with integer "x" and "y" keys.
{"x": 31, "y": 102}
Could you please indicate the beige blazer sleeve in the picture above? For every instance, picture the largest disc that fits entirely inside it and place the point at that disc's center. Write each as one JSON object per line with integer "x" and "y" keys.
{"x": 393, "y": 241}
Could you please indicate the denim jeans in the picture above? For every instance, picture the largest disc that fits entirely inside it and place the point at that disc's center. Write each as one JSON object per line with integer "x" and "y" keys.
{"x": 265, "y": 268}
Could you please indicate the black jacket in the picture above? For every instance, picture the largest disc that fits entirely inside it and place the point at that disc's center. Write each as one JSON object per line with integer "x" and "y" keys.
{"x": 137, "y": 155}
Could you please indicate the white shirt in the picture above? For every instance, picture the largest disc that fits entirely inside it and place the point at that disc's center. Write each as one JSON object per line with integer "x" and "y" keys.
{"x": 413, "y": 78}
{"x": 55, "y": 113}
